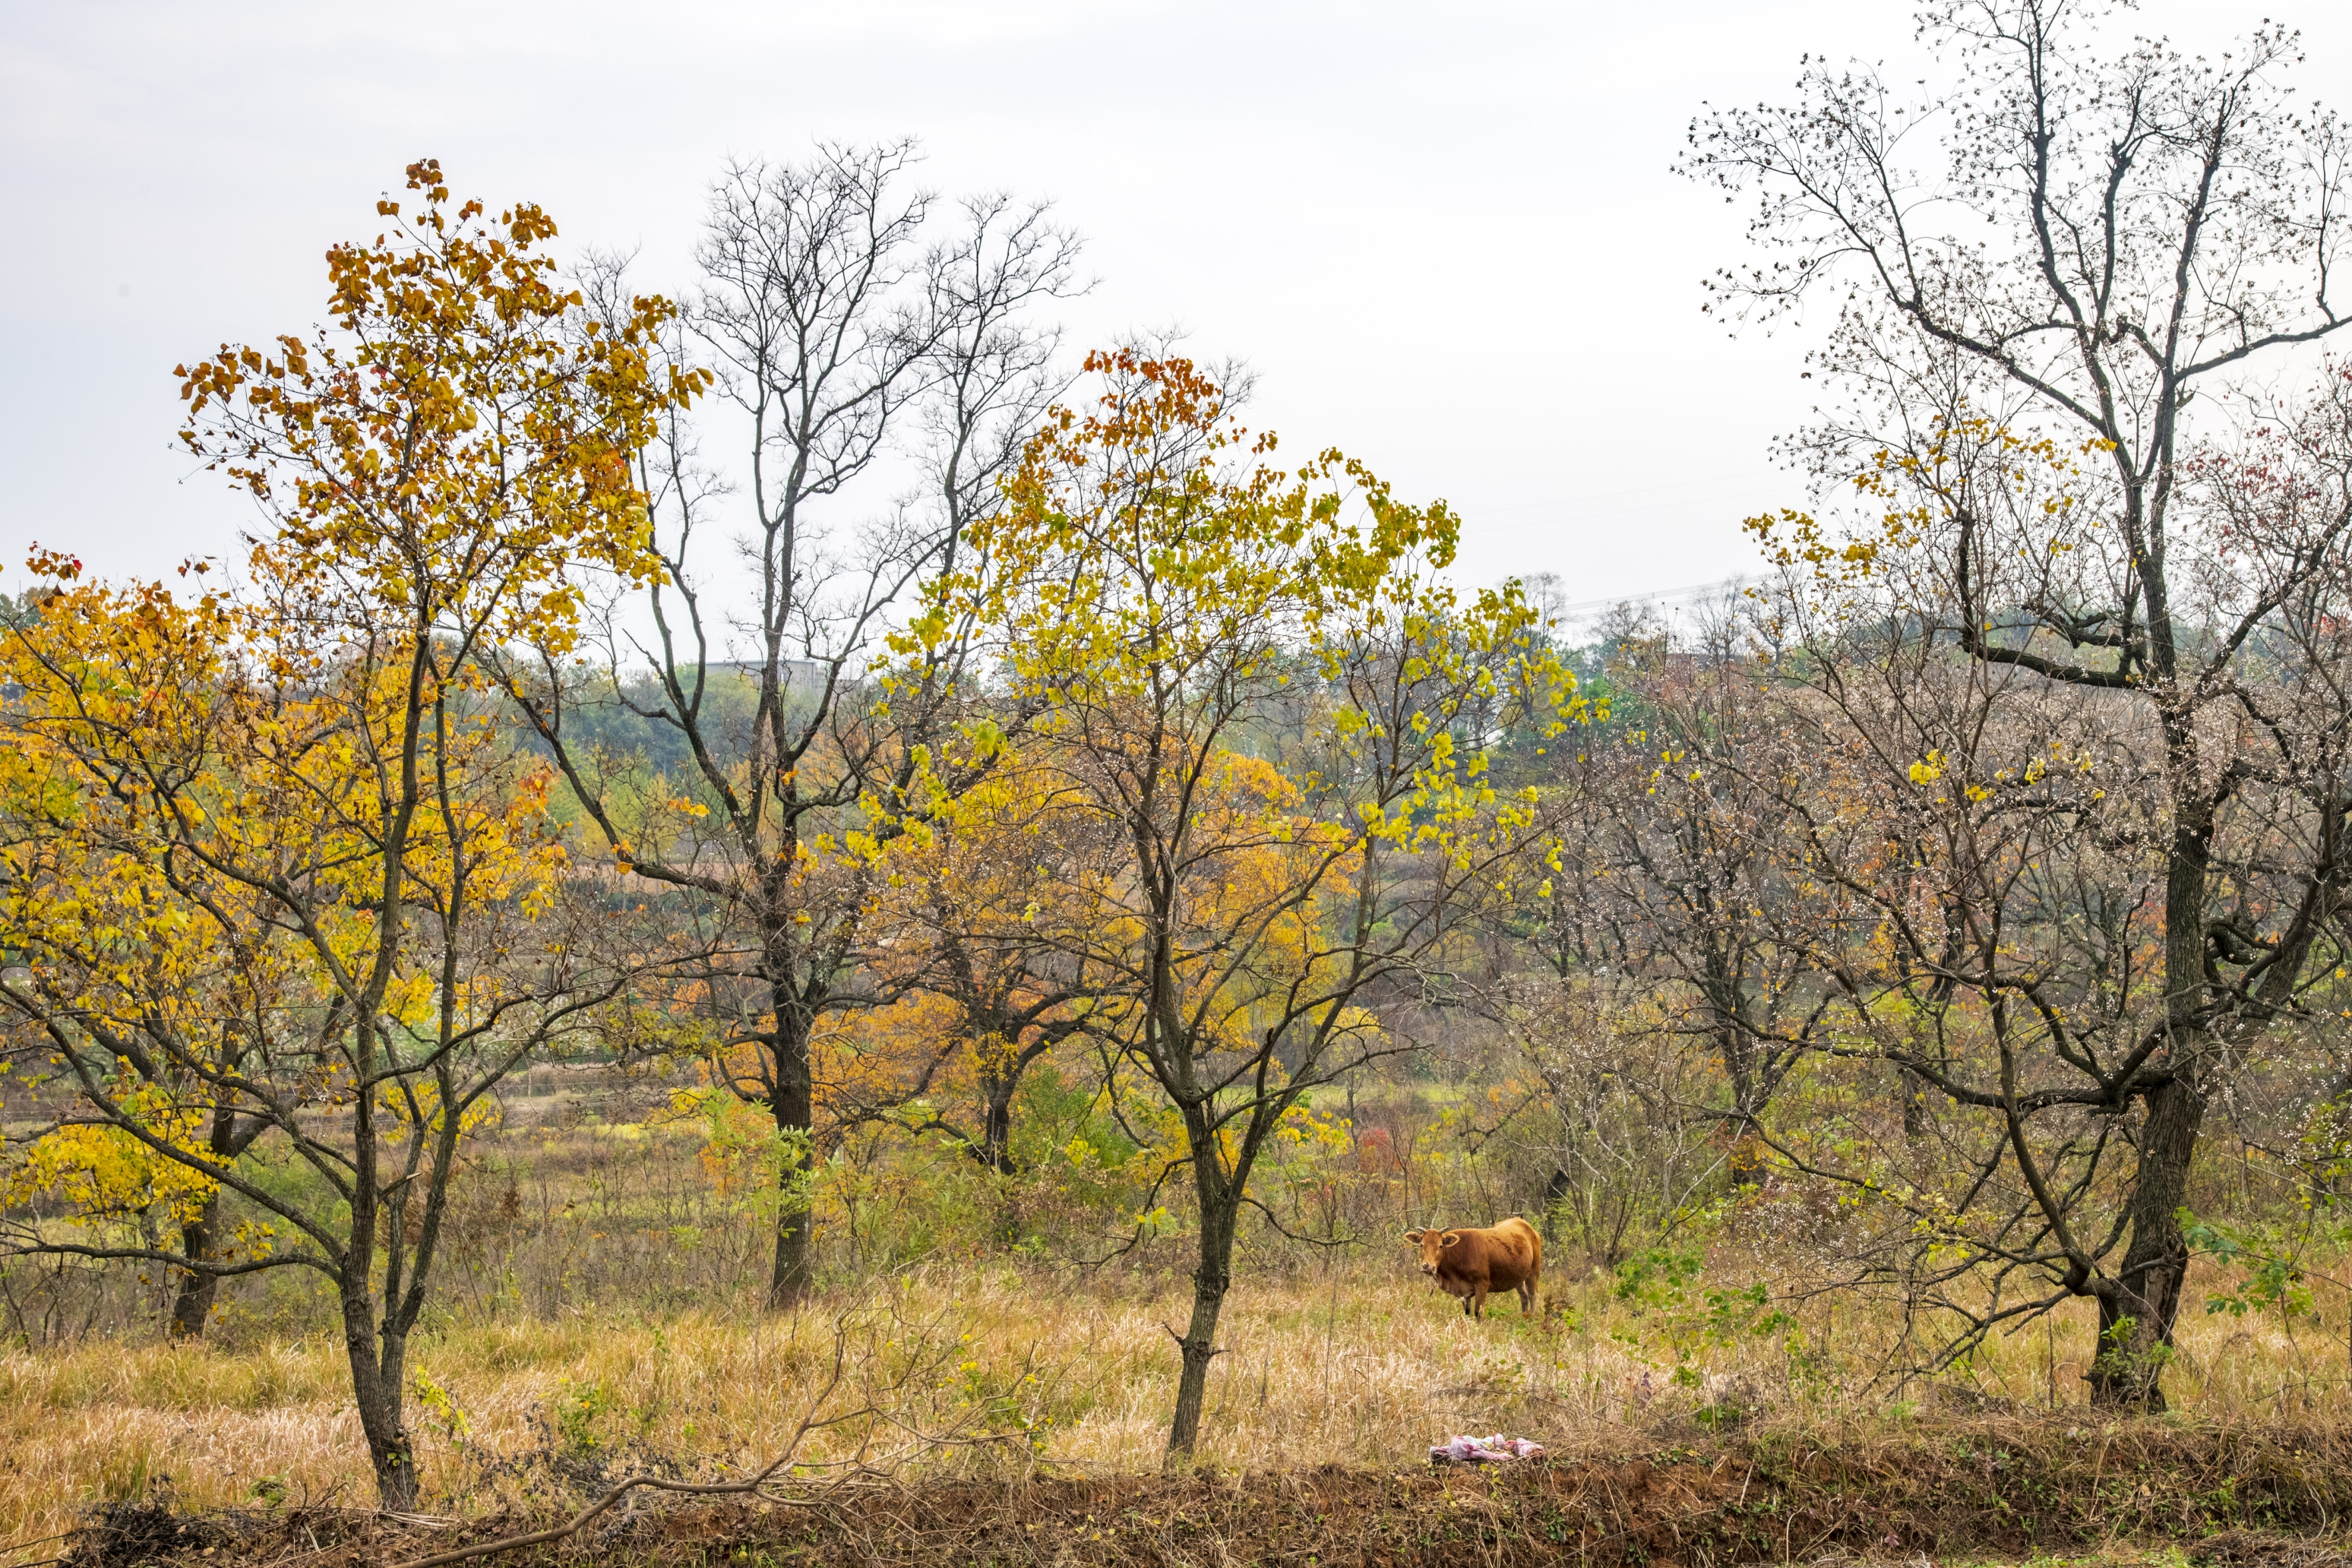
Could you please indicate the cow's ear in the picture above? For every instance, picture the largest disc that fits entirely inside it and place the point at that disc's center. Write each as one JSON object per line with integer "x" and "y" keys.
{"x": 1413, "y": 1238}
{"x": 1450, "y": 1237}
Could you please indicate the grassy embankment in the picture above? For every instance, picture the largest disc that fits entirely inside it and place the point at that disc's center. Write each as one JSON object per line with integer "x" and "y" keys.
{"x": 598, "y": 1314}
{"x": 1360, "y": 1368}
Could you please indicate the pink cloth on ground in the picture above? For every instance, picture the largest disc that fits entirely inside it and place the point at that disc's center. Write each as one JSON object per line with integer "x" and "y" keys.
{"x": 1484, "y": 1450}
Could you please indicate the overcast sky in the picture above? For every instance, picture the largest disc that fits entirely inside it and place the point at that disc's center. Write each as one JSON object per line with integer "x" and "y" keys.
{"x": 1444, "y": 236}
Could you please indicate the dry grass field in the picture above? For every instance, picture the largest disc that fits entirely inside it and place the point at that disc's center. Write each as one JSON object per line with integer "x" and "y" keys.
{"x": 598, "y": 1316}
{"x": 1361, "y": 1367}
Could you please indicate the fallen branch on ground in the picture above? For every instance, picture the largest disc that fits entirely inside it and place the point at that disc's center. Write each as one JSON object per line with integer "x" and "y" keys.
{"x": 861, "y": 1471}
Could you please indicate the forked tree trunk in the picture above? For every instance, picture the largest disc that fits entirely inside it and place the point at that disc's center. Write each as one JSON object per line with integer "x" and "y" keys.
{"x": 376, "y": 1378}
{"x": 2139, "y": 1306}
{"x": 2139, "y": 1310}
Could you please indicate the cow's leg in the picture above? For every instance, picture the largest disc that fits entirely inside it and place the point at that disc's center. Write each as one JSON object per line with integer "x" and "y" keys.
{"x": 1479, "y": 1300}
{"x": 1527, "y": 1296}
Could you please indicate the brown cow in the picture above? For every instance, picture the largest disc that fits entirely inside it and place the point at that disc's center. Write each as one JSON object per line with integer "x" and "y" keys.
{"x": 1470, "y": 1263}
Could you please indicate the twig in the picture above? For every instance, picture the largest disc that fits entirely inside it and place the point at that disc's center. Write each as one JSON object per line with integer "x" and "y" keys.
{"x": 1179, "y": 1342}
{"x": 864, "y": 1469}
{"x": 579, "y": 1521}
{"x": 1331, "y": 1246}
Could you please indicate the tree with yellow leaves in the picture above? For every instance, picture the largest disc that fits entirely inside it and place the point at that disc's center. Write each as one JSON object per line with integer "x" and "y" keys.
{"x": 273, "y": 853}
{"x": 1169, "y": 605}
{"x": 973, "y": 919}
{"x": 74, "y": 891}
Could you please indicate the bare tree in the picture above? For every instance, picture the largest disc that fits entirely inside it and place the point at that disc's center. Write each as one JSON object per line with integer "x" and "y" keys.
{"x": 1680, "y": 851}
{"x": 837, "y": 329}
{"x": 1994, "y": 847}
{"x": 2067, "y": 248}
{"x": 1620, "y": 1111}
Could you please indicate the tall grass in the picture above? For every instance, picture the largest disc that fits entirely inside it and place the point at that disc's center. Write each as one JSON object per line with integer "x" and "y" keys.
{"x": 1359, "y": 1364}
{"x": 597, "y": 1309}
{"x": 594, "y": 1192}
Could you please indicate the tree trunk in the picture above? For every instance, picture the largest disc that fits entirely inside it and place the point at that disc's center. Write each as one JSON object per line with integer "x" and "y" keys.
{"x": 1220, "y": 1212}
{"x": 2138, "y": 1308}
{"x": 192, "y": 1305}
{"x": 376, "y": 1386}
{"x": 1556, "y": 1193}
{"x": 1745, "y": 1159}
{"x": 996, "y": 1127}
{"x": 794, "y": 1106}
{"x": 996, "y": 1153}
{"x": 1914, "y": 1090}
{"x": 2137, "y": 1311}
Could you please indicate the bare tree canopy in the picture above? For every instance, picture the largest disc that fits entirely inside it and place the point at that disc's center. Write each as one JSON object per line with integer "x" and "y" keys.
{"x": 847, "y": 317}
{"x": 2054, "y": 275}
